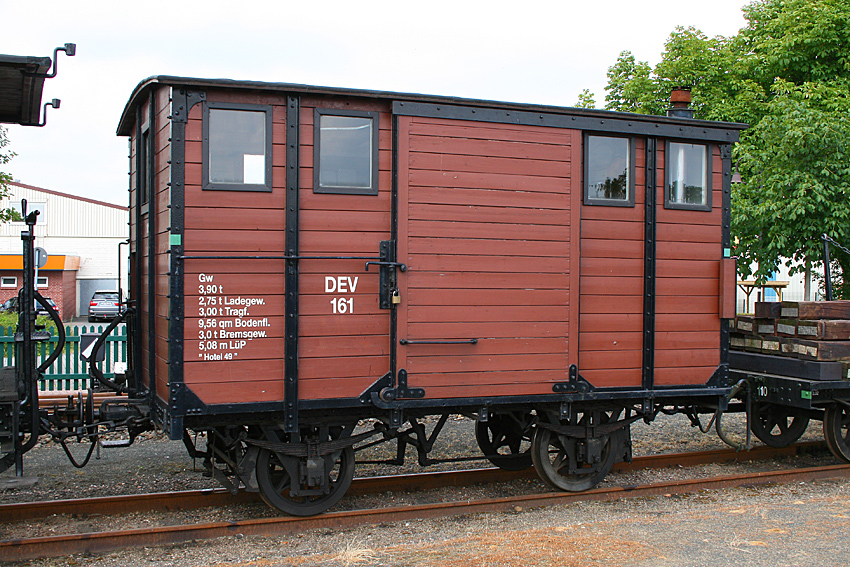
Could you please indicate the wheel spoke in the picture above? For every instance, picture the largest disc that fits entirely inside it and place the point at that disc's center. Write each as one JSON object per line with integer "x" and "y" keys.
{"x": 283, "y": 484}
{"x": 777, "y": 426}
{"x": 558, "y": 462}
{"x": 771, "y": 421}
{"x": 501, "y": 440}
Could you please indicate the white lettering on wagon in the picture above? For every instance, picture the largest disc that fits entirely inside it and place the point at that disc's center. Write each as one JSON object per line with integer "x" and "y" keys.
{"x": 341, "y": 284}
{"x": 219, "y": 314}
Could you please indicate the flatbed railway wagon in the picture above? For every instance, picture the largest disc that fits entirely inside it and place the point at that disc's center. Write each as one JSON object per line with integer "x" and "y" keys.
{"x": 794, "y": 358}
{"x": 308, "y": 260}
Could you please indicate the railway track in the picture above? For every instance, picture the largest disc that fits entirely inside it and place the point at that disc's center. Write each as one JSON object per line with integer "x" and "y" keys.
{"x": 99, "y": 542}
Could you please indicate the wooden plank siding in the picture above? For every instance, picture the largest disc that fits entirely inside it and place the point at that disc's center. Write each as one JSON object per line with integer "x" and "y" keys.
{"x": 500, "y": 248}
{"x": 141, "y": 254}
{"x": 689, "y": 249}
{"x": 342, "y": 354}
{"x": 160, "y": 194}
{"x": 611, "y": 288}
{"x": 235, "y": 223}
{"x": 155, "y": 212}
{"x": 486, "y": 217}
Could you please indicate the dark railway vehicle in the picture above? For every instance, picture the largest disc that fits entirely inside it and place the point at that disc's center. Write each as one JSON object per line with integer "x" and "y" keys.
{"x": 305, "y": 258}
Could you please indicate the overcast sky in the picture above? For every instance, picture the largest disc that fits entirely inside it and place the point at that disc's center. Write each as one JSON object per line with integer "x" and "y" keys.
{"x": 534, "y": 51}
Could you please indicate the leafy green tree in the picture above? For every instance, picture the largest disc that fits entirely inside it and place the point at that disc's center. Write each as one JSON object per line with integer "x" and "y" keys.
{"x": 793, "y": 160}
{"x": 787, "y": 74}
{"x": 585, "y": 99}
{"x": 795, "y": 163}
{"x": 631, "y": 87}
{"x": 5, "y": 178}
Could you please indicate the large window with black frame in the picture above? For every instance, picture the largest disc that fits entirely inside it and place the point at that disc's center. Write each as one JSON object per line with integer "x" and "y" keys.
{"x": 237, "y": 147}
{"x": 345, "y": 152}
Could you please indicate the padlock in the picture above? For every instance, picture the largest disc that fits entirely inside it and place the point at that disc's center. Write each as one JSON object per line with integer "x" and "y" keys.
{"x": 396, "y": 298}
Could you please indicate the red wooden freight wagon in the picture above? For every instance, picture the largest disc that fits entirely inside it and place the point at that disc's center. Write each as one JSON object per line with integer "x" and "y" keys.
{"x": 303, "y": 258}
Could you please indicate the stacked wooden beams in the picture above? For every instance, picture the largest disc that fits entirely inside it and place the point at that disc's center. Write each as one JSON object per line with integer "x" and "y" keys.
{"x": 807, "y": 330}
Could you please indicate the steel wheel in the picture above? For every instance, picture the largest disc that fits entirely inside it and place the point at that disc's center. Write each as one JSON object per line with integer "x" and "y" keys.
{"x": 275, "y": 472}
{"x": 562, "y": 462}
{"x": 777, "y": 426}
{"x": 504, "y": 441}
{"x": 836, "y": 430}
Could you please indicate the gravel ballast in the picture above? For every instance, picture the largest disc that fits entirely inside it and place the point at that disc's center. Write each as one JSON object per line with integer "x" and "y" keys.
{"x": 800, "y": 524}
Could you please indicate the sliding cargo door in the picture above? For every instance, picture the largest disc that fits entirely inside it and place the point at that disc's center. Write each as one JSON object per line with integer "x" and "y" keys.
{"x": 486, "y": 221}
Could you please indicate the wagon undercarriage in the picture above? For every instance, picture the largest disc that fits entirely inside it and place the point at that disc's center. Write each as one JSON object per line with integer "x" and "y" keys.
{"x": 308, "y": 473}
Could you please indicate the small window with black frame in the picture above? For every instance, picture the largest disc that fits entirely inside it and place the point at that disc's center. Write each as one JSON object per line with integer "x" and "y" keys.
{"x": 237, "y": 147}
{"x": 688, "y": 179}
{"x": 608, "y": 178}
{"x": 345, "y": 152}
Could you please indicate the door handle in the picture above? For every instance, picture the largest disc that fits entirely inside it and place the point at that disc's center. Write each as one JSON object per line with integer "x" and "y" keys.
{"x": 438, "y": 342}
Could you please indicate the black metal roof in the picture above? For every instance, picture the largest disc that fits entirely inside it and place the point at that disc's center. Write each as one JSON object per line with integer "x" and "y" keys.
{"x": 591, "y": 119}
{"x": 20, "y": 91}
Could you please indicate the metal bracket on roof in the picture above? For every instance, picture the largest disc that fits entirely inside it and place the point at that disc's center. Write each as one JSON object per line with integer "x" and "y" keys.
{"x": 55, "y": 104}
{"x": 70, "y": 50}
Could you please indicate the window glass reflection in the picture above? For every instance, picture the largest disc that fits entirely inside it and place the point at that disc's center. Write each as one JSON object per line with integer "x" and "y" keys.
{"x": 688, "y": 174}
{"x": 345, "y": 152}
{"x": 608, "y": 168}
{"x": 237, "y": 146}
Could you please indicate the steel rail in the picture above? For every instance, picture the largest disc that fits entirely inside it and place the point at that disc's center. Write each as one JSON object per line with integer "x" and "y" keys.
{"x": 90, "y": 543}
{"x": 193, "y": 499}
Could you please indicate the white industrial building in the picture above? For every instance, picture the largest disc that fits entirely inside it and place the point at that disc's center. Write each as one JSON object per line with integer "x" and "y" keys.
{"x": 81, "y": 237}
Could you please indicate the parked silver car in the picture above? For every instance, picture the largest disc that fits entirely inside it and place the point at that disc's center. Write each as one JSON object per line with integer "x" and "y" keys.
{"x": 11, "y": 305}
{"x": 104, "y": 304}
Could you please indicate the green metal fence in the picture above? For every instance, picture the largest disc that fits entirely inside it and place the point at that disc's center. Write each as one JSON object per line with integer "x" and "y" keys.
{"x": 69, "y": 371}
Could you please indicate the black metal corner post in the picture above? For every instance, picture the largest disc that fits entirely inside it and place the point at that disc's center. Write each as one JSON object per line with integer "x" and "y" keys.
{"x": 137, "y": 267}
{"x": 290, "y": 387}
{"x": 394, "y": 257}
{"x": 27, "y": 375}
{"x": 181, "y": 103}
{"x": 151, "y": 193}
{"x": 726, "y": 158}
{"x": 649, "y": 257}
{"x": 827, "y": 275}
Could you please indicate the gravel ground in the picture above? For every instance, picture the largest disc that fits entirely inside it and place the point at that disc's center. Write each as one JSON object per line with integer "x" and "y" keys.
{"x": 803, "y": 524}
